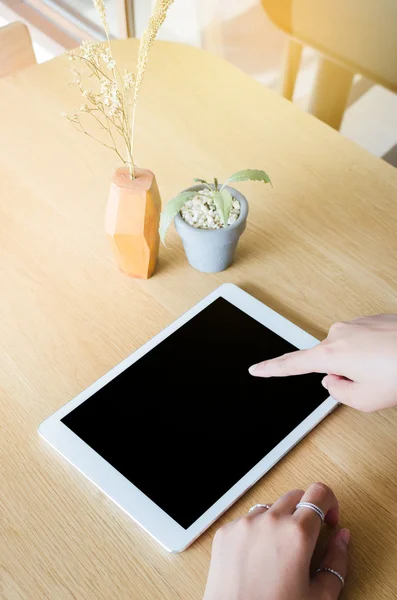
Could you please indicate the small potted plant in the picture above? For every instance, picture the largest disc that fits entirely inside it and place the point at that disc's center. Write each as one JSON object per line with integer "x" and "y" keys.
{"x": 110, "y": 100}
{"x": 210, "y": 219}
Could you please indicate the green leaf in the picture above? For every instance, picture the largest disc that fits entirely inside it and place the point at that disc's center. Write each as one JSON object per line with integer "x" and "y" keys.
{"x": 227, "y": 203}
{"x": 223, "y": 202}
{"x": 197, "y": 180}
{"x": 172, "y": 208}
{"x": 248, "y": 175}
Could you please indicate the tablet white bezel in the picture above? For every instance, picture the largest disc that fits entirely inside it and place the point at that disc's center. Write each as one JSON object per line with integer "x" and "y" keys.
{"x": 128, "y": 497}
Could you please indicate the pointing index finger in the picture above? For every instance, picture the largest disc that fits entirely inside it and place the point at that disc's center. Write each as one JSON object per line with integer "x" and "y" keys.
{"x": 313, "y": 360}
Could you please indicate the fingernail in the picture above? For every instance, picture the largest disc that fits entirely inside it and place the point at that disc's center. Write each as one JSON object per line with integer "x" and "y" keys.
{"x": 325, "y": 383}
{"x": 345, "y": 536}
{"x": 252, "y": 369}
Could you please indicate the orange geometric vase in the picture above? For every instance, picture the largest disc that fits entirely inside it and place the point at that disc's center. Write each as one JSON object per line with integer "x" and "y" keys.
{"x": 132, "y": 221}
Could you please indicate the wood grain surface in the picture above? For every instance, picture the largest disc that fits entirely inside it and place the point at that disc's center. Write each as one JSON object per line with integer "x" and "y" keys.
{"x": 320, "y": 246}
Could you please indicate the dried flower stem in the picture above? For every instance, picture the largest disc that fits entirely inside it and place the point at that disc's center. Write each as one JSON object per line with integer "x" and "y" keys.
{"x": 82, "y": 130}
{"x": 155, "y": 22}
{"x": 101, "y": 9}
{"x": 113, "y": 104}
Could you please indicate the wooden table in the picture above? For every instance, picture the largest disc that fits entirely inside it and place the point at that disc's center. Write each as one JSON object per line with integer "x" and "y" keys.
{"x": 321, "y": 246}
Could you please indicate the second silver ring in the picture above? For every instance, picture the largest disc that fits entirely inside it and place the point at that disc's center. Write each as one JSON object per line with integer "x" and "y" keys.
{"x": 312, "y": 507}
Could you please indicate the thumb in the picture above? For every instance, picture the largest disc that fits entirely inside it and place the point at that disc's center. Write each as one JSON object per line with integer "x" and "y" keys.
{"x": 341, "y": 389}
{"x": 325, "y": 583}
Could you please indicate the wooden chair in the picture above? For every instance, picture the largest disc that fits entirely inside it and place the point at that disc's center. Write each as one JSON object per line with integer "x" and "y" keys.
{"x": 16, "y": 50}
{"x": 354, "y": 36}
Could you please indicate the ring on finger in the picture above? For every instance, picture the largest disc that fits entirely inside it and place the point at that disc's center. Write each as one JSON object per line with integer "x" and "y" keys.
{"x": 312, "y": 507}
{"x": 253, "y": 508}
{"x": 333, "y": 572}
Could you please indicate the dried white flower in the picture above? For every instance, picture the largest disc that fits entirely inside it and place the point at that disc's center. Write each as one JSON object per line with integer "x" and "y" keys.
{"x": 101, "y": 8}
{"x": 73, "y": 118}
{"x": 105, "y": 86}
{"x": 112, "y": 99}
{"x": 128, "y": 80}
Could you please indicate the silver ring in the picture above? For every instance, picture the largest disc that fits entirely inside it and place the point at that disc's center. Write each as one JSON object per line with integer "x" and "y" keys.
{"x": 267, "y": 506}
{"x": 333, "y": 572}
{"x": 313, "y": 507}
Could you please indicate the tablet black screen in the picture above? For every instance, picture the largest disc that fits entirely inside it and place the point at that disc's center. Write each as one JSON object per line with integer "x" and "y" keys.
{"x": 187, "y": 421}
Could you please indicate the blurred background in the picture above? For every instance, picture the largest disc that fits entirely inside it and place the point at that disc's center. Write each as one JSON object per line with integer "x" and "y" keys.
{"x": 242, "y": 32}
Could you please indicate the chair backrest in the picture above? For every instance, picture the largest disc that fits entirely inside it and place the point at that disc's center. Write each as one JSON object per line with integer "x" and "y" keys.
{"x": 16, "y": 50}
{"x": 358, "y": 34}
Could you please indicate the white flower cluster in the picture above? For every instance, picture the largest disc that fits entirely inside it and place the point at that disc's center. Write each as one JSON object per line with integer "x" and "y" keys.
{"x": 128, "y": 80}
{"x": 201, "y": 212}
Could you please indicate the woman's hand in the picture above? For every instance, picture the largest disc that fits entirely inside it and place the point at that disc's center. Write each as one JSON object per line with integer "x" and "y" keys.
{"x": 360, "y": 358}
{"x": 266, "y": 555}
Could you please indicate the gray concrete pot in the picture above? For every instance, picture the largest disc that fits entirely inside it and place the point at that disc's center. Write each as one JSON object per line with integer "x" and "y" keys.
{"x": 212, "y": 250}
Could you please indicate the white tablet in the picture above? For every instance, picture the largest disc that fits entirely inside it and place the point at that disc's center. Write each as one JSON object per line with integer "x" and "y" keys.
{"x": 178, "y": 431}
